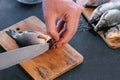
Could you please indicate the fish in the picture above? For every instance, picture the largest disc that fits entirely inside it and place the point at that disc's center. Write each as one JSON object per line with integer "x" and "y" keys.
{"x": 108, "y": 19}
{"x": 98, "y": 12}
{"x": 113, "y": 34}
{"x": 95, "y": 3}
{"x": 26, "y": 38}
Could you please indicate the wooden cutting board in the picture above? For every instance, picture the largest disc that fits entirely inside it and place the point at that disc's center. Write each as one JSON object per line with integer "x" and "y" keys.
{"x": 49, "y": 65}
{"x": 87, "y": 12}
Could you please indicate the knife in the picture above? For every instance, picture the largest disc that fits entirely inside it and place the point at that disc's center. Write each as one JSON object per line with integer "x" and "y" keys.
{"x": 13, "y": 57}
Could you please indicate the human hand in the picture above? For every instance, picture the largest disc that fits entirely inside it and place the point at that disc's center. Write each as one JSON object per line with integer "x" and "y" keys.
{"x": 64, "y": 11}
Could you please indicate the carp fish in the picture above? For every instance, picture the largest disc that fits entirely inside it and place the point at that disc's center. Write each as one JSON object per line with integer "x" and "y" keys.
{"x": 97, "y": 13}
{"x": 26, "y": 38}
{"x": 95, "y": 3}
{"x": 108, "y": 19}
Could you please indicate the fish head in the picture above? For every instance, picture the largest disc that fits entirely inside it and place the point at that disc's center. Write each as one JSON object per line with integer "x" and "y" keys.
{"x": 12, "y": 33}
{"x": 95, "y": 17}
{"x": 100, "y": 25}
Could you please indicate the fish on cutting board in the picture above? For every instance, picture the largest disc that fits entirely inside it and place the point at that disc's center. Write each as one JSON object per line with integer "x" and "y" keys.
{"x": 113, "y": 34}
{"x": 98, "y": 12}
{"x": 95, "y": 3}
{"x": 108, "y": 19}
{"x": 26, "y": 38}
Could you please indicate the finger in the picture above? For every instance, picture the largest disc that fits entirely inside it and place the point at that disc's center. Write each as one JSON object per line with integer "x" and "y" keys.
{"x": 66, "y": 34}
{"x": 51, "y": 27}
{"x": 62, "y": 30}
{"x": 71, "y": 28}
{"x": 60, "y": 25}
{"x": 61, "y": 33}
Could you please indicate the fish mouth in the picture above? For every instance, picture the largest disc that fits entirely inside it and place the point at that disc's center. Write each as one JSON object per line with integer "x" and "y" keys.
{"x": 96, "y": 29}
{"x": 91, "y": 21}
{"x": 101, "y": 25}
{"x": 94, "y": 20}
{"x": 99, "y": 28}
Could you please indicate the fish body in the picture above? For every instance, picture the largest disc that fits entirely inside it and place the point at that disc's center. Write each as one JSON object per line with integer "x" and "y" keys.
{"x": 108, "y": 19}
{"x": 26, "y": 38}
{"x": 95, "y": 3}
{"x": 97, "y": 13}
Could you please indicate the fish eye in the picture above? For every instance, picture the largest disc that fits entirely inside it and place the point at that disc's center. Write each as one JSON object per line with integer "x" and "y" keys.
{"x": 18, "y": 29}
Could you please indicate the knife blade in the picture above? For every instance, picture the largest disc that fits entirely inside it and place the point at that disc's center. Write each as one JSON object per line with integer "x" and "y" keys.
{"x": 13, "y": 57}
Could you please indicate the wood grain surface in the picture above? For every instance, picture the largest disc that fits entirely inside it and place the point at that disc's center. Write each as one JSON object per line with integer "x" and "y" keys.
{"x": 87, "y": 12}
{"x": 49, "y": 65}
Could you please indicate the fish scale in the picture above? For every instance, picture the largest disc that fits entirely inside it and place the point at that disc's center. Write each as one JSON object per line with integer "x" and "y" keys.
{"x": 97, "y": 13}
{"x": 108, "y": 19}
{"x": 95, "y": 3}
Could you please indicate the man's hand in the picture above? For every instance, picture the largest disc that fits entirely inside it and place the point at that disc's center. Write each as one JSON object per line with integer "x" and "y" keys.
{"x": 65, "y": 11}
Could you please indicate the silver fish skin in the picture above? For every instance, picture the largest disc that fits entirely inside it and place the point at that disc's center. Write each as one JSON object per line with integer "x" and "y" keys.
{"x": 97, "y": 13}
{"x": 95, "y": 3}
{"x": 108, "y": 19}
{"x": 26, "y": 38}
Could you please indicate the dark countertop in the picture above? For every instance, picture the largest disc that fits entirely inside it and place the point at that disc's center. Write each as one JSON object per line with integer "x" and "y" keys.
{"x": 100, "y": 61}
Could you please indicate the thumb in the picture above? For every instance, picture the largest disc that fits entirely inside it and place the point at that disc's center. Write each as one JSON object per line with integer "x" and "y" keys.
{"x": 51, "y": 27}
